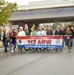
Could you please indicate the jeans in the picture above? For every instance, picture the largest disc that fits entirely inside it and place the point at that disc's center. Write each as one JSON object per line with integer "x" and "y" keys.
{"x": 73, "y": 42}
{"x": 64, "y": 42}
{"x": 5, "y": 44}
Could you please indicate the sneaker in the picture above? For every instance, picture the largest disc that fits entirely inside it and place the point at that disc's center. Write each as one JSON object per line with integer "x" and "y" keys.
{"x": 39, "y": 50}
{"x": 56, "y": 50}
{"x": 26, "y": 49}
{"x": 5, "y": 51}
{"x": 12, "y": 51}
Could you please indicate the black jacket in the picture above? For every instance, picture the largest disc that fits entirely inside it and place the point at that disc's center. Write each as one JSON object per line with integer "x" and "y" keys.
{"x": 58, "y": 32}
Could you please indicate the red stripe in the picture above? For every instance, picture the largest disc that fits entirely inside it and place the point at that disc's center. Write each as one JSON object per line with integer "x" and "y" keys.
{"x": 39, "y": 37}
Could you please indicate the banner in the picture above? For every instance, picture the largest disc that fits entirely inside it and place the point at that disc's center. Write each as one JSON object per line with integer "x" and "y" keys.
{"x": 39, "y": 41}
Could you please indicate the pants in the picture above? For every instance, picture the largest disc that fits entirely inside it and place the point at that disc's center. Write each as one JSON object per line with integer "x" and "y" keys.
{"x": 68, "y": 41}
{"x": 5, "y": 44}
{"x": 73, "y": 42}
{"x": 64, "y": 42}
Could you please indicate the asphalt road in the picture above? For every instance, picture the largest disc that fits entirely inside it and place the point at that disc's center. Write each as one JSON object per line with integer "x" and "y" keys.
{"x": 34, "y": 63}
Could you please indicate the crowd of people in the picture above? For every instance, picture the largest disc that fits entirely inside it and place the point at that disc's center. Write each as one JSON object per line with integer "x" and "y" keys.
{"x": 9, "y": 39}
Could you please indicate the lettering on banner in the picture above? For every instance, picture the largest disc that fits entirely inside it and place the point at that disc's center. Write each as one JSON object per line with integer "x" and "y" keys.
{"x": 31, "y": 41}
{"x": 39, "y": 41}
{"x": 44, "y": 41}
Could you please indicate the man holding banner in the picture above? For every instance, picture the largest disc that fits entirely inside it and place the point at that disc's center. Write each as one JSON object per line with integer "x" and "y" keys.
{"x": 41, "y": 32}
{"x": 58, "y": 32}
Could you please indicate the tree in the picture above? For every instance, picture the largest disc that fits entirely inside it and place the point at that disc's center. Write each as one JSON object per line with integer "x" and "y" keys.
{"x": 54, "y": 26}
{"x": 6, "y": 9}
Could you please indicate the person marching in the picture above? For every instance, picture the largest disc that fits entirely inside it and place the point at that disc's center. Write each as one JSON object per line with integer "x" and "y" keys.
{"x": 58, "y": 32}
{"x": 33, "y": 33}
{"x": 41, "y": 32}
{"x": 5, "y": 40}
{"x": 13, "y": 40}
{"x": 21, "y": 33}
{"x": 68, "y": 35}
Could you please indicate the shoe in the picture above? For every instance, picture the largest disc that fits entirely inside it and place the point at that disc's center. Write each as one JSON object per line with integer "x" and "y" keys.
{"x": 69, "y": 51}
{"x": 12, "y": 51}
{"x": 26, "y": 52}
{"x": 44, "y": 50}
{"x": 60, "y": 49}
{"x": 56, "y": 50}
{"x": 26, "y": 49}
{"x": 5, "y": 51}
{"x": 39, "y": 50}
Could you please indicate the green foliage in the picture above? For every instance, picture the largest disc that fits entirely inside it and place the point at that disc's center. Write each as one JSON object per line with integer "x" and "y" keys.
{"x": 6, "y": 9}
{"x": 72, "y": 24}
{"x": 55, "y": 25}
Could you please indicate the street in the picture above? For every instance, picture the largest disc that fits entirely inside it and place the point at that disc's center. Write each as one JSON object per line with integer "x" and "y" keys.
{"x": 35, "y": 63}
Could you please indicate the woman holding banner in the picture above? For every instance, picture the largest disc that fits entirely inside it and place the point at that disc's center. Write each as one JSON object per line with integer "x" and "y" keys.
{"x": 21, "y": 33}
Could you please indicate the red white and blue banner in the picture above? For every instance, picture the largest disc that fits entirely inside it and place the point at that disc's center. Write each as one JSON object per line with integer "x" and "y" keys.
{"x": 39, "y": 41}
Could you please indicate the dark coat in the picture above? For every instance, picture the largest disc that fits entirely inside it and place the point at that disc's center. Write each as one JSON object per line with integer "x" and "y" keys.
{"x": 58, "y": 32}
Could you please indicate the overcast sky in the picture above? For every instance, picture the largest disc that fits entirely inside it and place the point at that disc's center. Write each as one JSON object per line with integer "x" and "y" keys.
{"x": 22, "y": 2}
